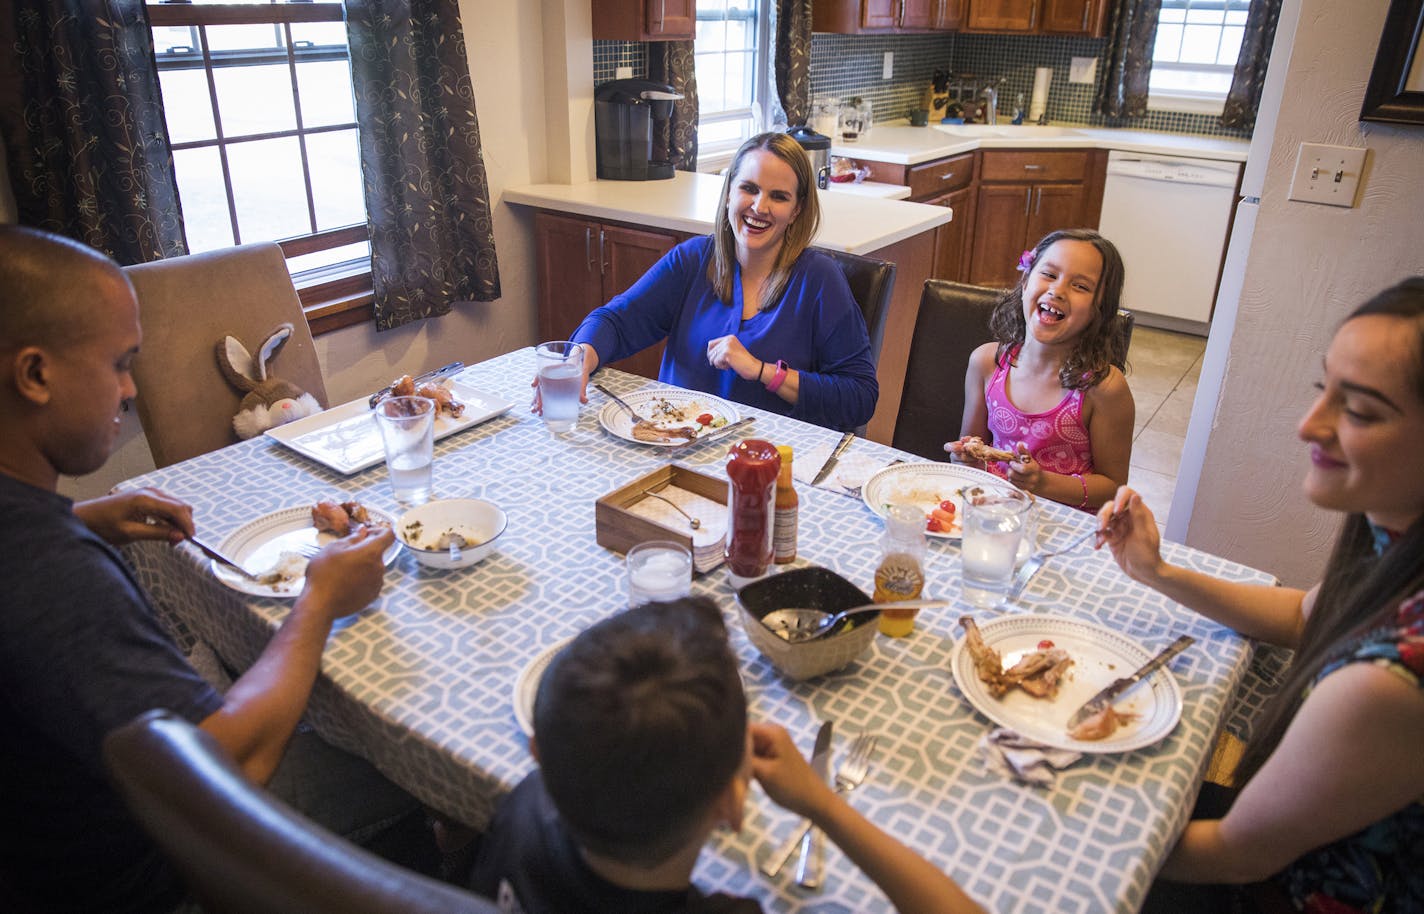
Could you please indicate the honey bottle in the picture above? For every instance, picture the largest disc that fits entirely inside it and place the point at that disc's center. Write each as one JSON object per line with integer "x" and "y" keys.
{"x": 901, "y": 574}
{"x": 788, "y": 507}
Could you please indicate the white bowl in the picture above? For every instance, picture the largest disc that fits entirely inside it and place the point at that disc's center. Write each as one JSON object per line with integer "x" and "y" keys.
{"x": 480, "y": 522}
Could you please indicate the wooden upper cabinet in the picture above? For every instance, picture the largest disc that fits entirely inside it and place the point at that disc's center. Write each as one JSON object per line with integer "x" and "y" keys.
{"x": 1002, "y": 15}
{"x": 878, "y": 14}
{"x": 1073, "y": 17}
{"x": 644, "y": 20}
{"x": 1039, "y": 17}
{"x": 851, "y": 17}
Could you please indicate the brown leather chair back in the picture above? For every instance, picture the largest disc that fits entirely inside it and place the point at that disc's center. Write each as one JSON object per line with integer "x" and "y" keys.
{"x": 953, "y": 321}
{"x": 186, "y": 305}
{"x": 871, "y": 282}
{"x": 240, "y": 849}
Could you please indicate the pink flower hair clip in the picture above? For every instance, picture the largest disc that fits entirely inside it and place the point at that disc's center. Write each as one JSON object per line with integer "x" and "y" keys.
{"x": 1025, "y": 261}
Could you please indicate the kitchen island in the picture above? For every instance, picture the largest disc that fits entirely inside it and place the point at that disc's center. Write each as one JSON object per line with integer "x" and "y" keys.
{"x": 596, "y": 238}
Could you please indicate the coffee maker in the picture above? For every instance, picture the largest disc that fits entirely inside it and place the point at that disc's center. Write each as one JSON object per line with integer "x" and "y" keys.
{"x": 818, "y": 148}
{"x": 624, "y": 114}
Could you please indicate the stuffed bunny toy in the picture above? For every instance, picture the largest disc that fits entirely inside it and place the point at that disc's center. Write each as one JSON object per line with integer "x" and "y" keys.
{"x": 268, "y": 401}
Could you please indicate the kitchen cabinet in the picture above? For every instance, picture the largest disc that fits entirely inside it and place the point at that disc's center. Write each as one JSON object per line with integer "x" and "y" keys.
{"x": 852, "y": 17}
{"x": 942, "y": 182}
{"x": 582, "y": 263}
{"x": 645, "y": 20}
{"x": 1039, "y": 17}
{"x": 1022, "y": 196}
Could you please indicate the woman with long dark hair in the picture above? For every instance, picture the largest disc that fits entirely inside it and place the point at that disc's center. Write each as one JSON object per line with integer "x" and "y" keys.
{"x": 1329, "y": 806}
{"x": 750, "y": 312}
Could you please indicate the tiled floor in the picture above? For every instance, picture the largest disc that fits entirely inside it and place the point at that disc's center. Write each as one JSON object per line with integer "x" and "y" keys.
{"x": 1162, "y": 370}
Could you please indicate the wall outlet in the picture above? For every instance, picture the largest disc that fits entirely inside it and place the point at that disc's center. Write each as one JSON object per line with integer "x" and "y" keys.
{"x": 1083, "y": 70}
{"x": 623, "y": 73}
{"x": 889, "y": 71}
{"x": 1327, "y": 174}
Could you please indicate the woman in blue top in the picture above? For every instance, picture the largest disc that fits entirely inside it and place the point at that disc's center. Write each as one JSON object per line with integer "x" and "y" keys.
{"x": 750, "y": 313}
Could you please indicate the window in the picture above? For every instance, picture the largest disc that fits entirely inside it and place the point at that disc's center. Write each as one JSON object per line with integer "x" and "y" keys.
{"x": 733, "y": 79}
{"x": 258, "y": 102}
{"x": 1198, "y": 42}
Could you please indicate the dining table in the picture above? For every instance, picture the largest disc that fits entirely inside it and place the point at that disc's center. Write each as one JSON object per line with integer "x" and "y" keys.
{"x": 423, "y": 681}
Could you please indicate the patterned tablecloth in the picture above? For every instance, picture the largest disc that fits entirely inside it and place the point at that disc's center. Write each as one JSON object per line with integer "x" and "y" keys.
{"x": 421, "y": 682}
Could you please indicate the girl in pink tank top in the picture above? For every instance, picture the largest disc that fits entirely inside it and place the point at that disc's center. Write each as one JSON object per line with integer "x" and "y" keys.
{"x": 1049, "y": 388}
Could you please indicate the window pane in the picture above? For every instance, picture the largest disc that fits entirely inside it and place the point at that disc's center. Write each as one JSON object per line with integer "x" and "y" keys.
{"x": 711, "y": 75}
{"x": 167, "y": 39}
{"x": 320, "y": 34}
{"x": 201, "y": 188}
{"x": 1169, "y": 43}
{"x": 318, "y": 259}
{"x": 1230, "y": 46}
{"x": 1203, "y": 17}
{"x": 268, "y": 188}
{"x": 734, "y": 131}
{"x": 245, "y": 37}
{"x": 1199, "y": 44}
{"x": 1173, "y": 16}
{"x": 186, "y": 105}
{"x": 739, "y": 80}
{"x": 325, "y": 87}
{"x": 255, "y": 99}
{"x": 335, "y": 167}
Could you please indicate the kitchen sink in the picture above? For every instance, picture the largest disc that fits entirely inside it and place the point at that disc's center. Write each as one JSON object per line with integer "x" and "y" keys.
{"x": 1026, "y": 131}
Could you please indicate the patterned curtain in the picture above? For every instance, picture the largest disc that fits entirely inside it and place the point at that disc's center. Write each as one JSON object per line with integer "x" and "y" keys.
{"x": 1244, "y": 98}
{"x": 675, "y": 141}
{"x": 793, "y": 59}
{"x": 1133, "y": 32}
{"x": 427, "y": 196}
{"x": 88, "y": 151}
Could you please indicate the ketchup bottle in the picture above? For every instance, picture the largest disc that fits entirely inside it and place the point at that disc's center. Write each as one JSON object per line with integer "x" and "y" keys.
{"x": 752, "y": 468}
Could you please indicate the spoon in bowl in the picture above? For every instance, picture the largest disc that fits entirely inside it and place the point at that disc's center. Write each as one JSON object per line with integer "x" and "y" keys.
{"x": 797, "y": 625}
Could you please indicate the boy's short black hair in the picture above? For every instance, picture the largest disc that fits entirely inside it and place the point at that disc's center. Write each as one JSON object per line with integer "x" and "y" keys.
{"x": 641, "y": 723}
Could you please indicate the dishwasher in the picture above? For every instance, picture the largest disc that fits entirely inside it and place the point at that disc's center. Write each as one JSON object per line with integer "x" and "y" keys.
{"x": 1168, "y": 217}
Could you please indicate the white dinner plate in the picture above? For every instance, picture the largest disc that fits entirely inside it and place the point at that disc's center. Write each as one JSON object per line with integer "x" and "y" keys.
{"x": 526, "y": 687}
{"x": 925, "y": 485}
{"x": 258, "y": 546}
{"x": 1100, "y": 655}
{"x": 691, "y": 404}
{"x": 346, "y": 439}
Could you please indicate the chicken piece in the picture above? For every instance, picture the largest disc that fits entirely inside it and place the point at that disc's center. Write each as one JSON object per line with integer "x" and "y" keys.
{"x": 988, "y": 663}
{"x": 356, "y": 511}
{"x": 403, "y": 386}
{"x": 1044, "y": 682}
{"x": 444, "y": 400}
{"x": 643, "y": 430}
{"x": 329, "y": 517}
{"x": 976, "y": 449}
{"x": 1102, "y": 724}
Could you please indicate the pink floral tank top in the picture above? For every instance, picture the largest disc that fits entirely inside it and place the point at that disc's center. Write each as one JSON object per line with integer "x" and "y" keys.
{"x": 1057, "y": 438}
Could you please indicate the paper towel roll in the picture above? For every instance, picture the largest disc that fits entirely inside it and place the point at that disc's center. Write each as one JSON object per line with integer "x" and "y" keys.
{"x": 1038, "y": 102}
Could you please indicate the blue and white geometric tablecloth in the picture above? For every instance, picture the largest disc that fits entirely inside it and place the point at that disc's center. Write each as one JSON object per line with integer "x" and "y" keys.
{"x": 421, "y": 682}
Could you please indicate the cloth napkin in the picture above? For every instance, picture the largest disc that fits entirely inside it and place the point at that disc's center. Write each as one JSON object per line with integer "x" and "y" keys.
{"x": 1024, "y": 760}
{"x": 850, "y": 472}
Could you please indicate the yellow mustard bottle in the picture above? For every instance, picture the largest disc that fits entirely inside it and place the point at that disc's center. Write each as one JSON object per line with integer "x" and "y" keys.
{"x": 901, "y": 573}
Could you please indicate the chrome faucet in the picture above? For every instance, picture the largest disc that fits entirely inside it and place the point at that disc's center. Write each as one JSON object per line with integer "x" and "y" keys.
{"x": 991, "y": 110}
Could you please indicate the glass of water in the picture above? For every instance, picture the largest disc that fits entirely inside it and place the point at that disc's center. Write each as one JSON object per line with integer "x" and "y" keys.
{"x": 560, "y": 383}
{"x": 407, "y": 427}
{"x": 658, "y": 570}
{"x": 994, "y": 522}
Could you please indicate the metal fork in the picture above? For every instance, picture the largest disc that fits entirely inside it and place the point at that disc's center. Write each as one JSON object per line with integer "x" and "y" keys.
{"x": 1035, "y": 562}
{"x": 849, "y": 776}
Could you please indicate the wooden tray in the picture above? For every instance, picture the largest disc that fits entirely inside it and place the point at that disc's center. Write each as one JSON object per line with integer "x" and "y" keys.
{"x": 620, "y": 529}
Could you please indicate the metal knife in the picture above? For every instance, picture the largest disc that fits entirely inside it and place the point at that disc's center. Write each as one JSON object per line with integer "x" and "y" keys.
{"x": 221, "y": 559}
{"x": 782, "y": 854}
{"x": 432, "y": 375}
{"x": 813, "y": 846}
{"x": 722, "y": 432}
{"x": 830, "y": 463}
{"x": 1118, "y": 686}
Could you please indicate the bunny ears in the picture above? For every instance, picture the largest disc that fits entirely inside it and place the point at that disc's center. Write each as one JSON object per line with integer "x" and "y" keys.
{"x": 242, "y": 369}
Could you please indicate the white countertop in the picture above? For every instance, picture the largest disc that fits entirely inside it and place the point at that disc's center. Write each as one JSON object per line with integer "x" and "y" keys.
{"x": 871, "y": 189}
{"x": 904, "y": 145}
{"x": 850, "y": 222}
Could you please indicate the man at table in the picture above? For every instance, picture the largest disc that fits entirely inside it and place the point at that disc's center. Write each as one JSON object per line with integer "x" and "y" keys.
{"x": 81, "y": 651}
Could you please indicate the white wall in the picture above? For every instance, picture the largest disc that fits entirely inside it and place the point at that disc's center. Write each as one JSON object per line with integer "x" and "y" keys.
{"x": 505, "y": 44}
{"x": 1309, "y": 266}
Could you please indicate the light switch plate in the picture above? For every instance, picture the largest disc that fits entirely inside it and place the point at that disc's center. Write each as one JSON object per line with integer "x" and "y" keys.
{"x": 1327, "y": 174}
{"x": 889, "y": 70}
{"x": 1083, "y": 70}
{"x": 623, "y": 73}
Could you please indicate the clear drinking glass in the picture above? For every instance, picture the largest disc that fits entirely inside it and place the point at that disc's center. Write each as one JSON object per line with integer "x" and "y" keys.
{"x": 407, "y": 427}
{"x": 658, "y": 570}
{"x": 994, "y": 524}
{"x": 560, "y": 380}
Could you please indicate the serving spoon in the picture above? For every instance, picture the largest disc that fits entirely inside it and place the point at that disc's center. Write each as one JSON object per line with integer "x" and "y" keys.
{"x": 797, "y": 625}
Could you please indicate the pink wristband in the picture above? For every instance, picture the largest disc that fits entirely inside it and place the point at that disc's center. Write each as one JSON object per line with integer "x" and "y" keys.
{"x": 781, "y": 369}
{"x": 1082, "y": 505}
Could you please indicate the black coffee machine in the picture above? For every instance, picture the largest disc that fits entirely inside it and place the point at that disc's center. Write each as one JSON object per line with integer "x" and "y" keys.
{"x": 624, "y": 112}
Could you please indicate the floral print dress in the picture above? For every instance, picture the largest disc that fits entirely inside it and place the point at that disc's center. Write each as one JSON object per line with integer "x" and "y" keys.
{"x": 1380, "y": 868}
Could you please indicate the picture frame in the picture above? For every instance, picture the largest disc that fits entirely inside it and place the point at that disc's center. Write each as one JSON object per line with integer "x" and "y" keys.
{"x": 1395, "y": 93}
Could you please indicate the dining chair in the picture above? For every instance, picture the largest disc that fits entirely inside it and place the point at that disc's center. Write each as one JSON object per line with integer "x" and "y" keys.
{"x": 186, "y": 305}
{"x": 953, "y": 320}
{"x": 871, "y": 282}
{"x": 240, "y": 849}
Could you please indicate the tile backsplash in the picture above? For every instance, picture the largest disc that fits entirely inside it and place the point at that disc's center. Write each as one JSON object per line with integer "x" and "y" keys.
{"x": 846, "y": 65}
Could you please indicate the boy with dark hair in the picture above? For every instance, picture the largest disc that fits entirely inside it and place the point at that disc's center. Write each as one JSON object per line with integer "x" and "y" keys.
{"x": 644, "y": 748}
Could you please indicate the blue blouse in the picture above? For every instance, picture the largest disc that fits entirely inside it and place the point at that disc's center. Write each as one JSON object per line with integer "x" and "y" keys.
{"x": 816, "y": 327}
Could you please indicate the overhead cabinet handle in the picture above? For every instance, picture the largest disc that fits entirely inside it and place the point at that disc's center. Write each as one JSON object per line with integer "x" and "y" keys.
{"x": 1031, "y": 167}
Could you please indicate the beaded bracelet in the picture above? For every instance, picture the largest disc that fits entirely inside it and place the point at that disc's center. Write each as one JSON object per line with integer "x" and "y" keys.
{"x": 1082, "y": 505}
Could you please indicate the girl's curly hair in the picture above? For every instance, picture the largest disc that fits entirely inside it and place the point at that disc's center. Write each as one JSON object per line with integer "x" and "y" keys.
{"x": 1099, "y": 346}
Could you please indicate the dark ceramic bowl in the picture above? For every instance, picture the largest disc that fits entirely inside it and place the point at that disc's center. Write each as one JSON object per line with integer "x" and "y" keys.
{"x": 807, "y": 588}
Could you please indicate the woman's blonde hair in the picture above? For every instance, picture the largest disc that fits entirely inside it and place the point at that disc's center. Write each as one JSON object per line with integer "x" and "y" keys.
{"x": 722, "y": 270}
